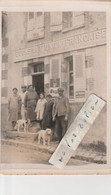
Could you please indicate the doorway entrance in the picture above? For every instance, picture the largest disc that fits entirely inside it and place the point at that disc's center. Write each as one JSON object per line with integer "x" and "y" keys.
{"x": 38, "y": 77}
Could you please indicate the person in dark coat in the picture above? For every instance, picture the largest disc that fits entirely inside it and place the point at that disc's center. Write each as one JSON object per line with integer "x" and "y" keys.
{"x": 60, "y": 113}
{"x": 47, "y": 116}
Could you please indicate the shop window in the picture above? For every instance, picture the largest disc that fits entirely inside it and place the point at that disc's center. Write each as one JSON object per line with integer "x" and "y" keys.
{"x": 35, "y": 25}
{"x": 72, "y": 20}
{"x": 71, "y": 79}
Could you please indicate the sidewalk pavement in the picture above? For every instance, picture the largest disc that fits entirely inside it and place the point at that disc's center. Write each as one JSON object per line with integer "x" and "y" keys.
{"x": 26, "y": 140}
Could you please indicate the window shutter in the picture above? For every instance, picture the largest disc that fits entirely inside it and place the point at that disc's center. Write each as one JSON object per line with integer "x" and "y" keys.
{"x": 30, "y": 25}
{"x": 56, "y": 21}
{"x": 55, "y": 68}
{"x": 39, "y": 20}
{"x": 55, "y": 75}
{"x": 4, "y": 74}
{"x": 78, "y": 19}
{"x": 26, "y": 71}
{"x": 35, "y": 29}
{"x": 39, "y": 25}
{"x": 67, "y": 20}
{"x": 79, "y": 77}
{"x": 28, "y": 80}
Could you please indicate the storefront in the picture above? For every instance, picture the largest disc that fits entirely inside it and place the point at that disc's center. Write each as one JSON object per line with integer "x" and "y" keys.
{"x": 71, "y": 63}
{"x": 51, "y": 50}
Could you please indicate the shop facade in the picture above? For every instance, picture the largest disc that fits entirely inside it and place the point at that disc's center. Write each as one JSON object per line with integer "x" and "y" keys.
{"x": 56, "y": 49}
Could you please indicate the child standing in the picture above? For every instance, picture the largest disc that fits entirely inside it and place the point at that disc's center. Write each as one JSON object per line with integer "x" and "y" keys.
{"x": 40, "y": 109}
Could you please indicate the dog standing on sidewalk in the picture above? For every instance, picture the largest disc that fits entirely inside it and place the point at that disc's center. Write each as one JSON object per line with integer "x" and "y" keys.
{"x": 44, "y": 135}
{"x": 22, "y": 124}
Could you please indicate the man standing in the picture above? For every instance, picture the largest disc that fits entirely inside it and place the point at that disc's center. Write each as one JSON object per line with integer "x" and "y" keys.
{"x": 22, "y": 95}
{"x": 60, "y": 113}
{"x": 30, "y": 102}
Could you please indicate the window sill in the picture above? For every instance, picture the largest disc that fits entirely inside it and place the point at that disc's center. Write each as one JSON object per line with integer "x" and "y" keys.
{"x": 73, "y": 28}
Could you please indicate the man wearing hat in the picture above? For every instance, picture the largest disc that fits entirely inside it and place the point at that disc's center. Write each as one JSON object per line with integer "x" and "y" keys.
{"x": 22, "y": 95}
{"x": 60, "y": 113}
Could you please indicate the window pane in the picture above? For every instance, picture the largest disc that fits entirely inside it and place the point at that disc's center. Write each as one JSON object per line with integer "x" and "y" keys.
{"x": 71, "y": 91}
{"x": 71, "y": 78}
{"x": 35, "y": 68}
{"x": 70, "y": 65}
{"x": 39, "y": 68}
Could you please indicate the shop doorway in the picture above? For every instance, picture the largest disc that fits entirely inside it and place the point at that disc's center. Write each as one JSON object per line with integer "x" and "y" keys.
{"x": 38, "y": 77}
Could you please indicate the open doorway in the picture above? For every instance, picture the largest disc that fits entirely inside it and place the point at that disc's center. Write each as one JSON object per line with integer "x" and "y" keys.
{"x": 38, "y": 77}
{"x": 38, "y": 83}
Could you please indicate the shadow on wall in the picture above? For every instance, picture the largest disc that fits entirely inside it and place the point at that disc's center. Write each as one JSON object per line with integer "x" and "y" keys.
{"x": 74, "y": 110}
{"x": 98, "y": 130}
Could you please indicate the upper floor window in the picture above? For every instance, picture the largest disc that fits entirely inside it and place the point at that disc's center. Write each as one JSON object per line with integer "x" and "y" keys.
{"x": 72, "y": 20}
{"x": 67, "y": 20}
{"x": 35, "y": 25}
{"x": 55, "y": 21}
{"x": 64, "y": 21}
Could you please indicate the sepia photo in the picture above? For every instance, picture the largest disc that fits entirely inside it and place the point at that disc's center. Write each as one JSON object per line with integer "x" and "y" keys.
{"x": 52, "y": 61}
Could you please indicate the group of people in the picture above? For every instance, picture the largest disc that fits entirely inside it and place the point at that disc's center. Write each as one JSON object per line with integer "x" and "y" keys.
{"x": 48, "y": 111}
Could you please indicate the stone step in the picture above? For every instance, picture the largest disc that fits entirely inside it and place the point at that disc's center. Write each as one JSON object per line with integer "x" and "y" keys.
{"x": 32, "y": 146}
{"x": 19, "y": 136}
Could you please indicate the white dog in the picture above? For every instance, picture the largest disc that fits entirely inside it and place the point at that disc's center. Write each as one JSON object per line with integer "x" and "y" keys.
{"x": 22, "y": 124}
{"x": 44, "y": 135}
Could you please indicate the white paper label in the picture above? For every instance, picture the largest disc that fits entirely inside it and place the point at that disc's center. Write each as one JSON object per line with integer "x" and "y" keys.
{"x": 77, "y": 131}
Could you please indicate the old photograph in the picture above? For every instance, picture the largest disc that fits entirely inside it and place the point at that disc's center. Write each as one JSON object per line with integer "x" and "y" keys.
{"x": 51, "y": 63}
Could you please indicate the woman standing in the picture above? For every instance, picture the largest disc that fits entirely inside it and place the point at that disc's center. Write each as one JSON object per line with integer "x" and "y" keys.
{"x": 47, "y": 117}
{"x": 40, "y": 109}
{"x": 14, "y": 106}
